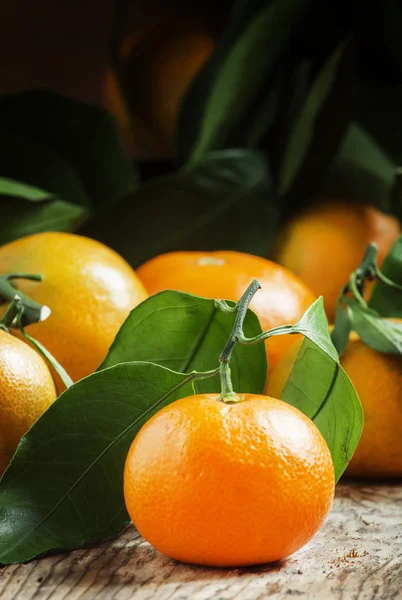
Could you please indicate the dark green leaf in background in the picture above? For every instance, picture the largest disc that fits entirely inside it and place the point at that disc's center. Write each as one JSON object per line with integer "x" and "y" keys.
{"x": 300, "y": 140}
{"x": 85, "y": 137}
{"x": 64, "y": 486}
{"x": 384, "y": 299}
{"x": 225, "y": 201}
{"x": 33, "y": 163}
{"x": 192, "y": 333}
{"x": 361, "y": 171}
{"x": 221, "y": 101}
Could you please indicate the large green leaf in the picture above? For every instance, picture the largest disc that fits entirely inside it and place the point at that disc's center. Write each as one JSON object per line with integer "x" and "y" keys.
{"x": 191, "y": 334}
{"x": 85, "y": 137}
{"x": 64, "y": 486}
{"x": 225, "y": 201}
{"x": 386, "y": 300}
{"x": 222, "y": 101}
{"x": 320, "y": 388}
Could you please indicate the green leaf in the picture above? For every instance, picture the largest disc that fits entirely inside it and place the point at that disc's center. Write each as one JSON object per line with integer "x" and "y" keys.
{"x": 225, "y": 201}
{"x": 64, "y": 486}
{"x": 222, "y": 100}
{"x": 341, "y": 331}
{"x": 86, "y": 137}
{"x": 320, "y": 388}
{"x": 186, "y": 333}
{"x": 361, "y": 171}
{"x": 33, "y": 163}
{"x": 301, "y": 138}
{"x": 21, "y": 217}
{"x": 384, "y": 299}
{"x": 10, "y": 187}
{"x": 314, "y": 326}
{"x": 376, "y": 332}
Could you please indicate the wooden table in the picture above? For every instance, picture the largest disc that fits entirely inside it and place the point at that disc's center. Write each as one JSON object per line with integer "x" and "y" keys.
{"x": 357, "y": 555}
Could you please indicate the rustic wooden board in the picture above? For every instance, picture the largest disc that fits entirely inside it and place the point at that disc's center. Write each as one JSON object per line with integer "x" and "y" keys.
{"x": 357, "y": 555}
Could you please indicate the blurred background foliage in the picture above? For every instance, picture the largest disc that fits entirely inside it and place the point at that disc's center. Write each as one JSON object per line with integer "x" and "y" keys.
{"x": 220, "y": 123}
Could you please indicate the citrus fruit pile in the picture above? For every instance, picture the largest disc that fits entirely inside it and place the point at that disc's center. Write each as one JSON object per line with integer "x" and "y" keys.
{"x": 224, "y": 480}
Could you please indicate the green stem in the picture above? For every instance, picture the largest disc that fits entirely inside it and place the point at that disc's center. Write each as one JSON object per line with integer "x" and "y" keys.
{"x": 357, "y": 289}
{"x": 227, "y": 392}
{"x": 12, "y": 313}
{"x": 388, "y": 281}
{"x": 280, "y": 330}
{"x": 64, "y": 376}
{"x": 32, "y": 311}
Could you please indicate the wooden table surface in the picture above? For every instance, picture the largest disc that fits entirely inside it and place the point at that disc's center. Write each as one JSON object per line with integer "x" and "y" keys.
{"x": 357, "y": 555}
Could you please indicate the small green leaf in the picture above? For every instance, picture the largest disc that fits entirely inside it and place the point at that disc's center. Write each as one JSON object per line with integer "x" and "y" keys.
{"x": 186, "y": 333}
{"x": 301, "y": 137}
{"x": 386, "y": 300}
{"x": 225, "y": 201}
{"x": 341, "y": 331}
{"x": 376, "y": 332}
{"x": 320, "y": 388}
{"x": 314, "y": 326}
{"x": 10, "y": 187}
{"x": 64, "y": 486}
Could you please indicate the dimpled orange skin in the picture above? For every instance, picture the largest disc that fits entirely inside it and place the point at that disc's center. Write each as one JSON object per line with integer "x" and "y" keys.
{"x": 89, "y": 288}
{"x": 283, "y": 297}
{"x": 26, "y": 390}
{"x": 228, "y": 484}
{"x": 377, "y": 379}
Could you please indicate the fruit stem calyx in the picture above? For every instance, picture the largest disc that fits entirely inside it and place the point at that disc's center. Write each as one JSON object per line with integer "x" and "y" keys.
{"x": 14, "y": 317}
{"x": 32, "y": 312}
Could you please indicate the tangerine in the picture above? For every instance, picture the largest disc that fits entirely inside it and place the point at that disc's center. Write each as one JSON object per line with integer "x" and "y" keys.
{"x": 89, "y": 288}
{"x": 327, "y": 241}
{"x": 220, "y": 484}
{"x": 27, "y": 389}
{"x": 283, "y": 297}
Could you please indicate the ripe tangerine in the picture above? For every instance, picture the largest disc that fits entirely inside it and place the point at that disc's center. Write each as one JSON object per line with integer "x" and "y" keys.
{"x": 283, "y": 297}
{"x": 220, "y": 484}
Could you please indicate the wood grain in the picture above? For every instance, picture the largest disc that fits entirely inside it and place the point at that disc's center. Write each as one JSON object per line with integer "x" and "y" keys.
{"x": 357, "y": 555}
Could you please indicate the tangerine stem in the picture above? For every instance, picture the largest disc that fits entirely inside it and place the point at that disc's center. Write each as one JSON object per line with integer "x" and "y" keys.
{"x": 32, "y": 311}
{"x": 64, "y": 376}
{"x": 227, "y": 392}
{"x": 12, "y": 312}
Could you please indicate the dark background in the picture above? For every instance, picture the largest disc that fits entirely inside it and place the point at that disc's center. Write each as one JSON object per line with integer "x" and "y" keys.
{"x": 63, "y": 44}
